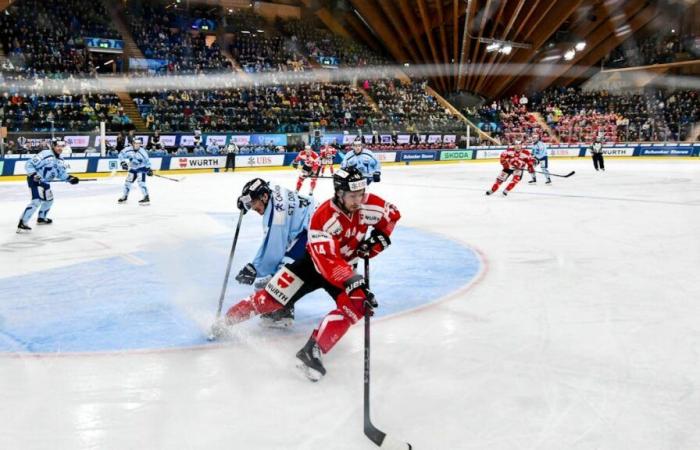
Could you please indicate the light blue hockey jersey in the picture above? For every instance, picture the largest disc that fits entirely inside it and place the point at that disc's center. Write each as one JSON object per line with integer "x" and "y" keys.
{"x": 366, "y": 162}
{"x": 539, "y": 150}
{"x": 48, "y": 165}
{"x": 137, "y": 159}
{"x": 286, "y": 216}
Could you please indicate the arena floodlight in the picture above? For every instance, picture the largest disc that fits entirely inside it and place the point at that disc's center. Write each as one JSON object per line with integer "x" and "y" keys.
{"x": 506, "y": 50}
{"x": 568, "y": 56}
{"x": 580, "y": 46}
{"x": 493, "y": 47}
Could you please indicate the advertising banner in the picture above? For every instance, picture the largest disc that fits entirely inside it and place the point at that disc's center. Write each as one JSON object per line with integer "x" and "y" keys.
{"x": 433, "y": 138}
{"x": 110, "y": 141}
{"x": 385, "y": 156}
{"x": 168, "y": 140}
{"x": 668, "y": 151}
{"x": 403, "y": 138}
{"x": 456, "y": 155}
{"x": 613, "y": 151}
{"x": 555, "y": 152}
{"x": 418, "y": 156}
{"x": 332, "y": 139}
{"x": 489, "y": 154}
{"x": 197, "y": 162}
{"x": 216, "y": 139}
{"x": 77, "y": 141}
{"x": 449, "y": 139}
{"x": 187, "y": 140}
{"x": 349, "y": 138}
{"x": 72, "y": 166}
{"x": 385, "y": 138}
{"x": 112, "y": 164}
{"x": 268, "y": 139}
{"x": 240, "y": 139}
{"x": 260, "y": 160}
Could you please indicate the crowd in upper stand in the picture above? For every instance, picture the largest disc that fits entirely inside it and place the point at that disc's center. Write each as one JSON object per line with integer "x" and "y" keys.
{"x": 657, "y": 49}
{"x": 43, "y": 40}
{"x": 575, "y": 115}
{"x": 166, "y": 34}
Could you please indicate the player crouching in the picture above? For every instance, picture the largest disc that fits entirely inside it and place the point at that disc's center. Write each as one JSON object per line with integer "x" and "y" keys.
{"x": 338, "y": 236}
{"x": 513, "y": 160}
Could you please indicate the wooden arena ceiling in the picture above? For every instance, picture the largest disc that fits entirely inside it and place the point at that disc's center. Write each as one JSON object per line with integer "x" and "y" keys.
{"x": 432, "y": 31}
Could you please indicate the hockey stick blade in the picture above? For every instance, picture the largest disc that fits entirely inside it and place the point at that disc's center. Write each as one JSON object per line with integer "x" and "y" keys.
{"x": 383, "y": 440}
{"x": 558, "y": 175}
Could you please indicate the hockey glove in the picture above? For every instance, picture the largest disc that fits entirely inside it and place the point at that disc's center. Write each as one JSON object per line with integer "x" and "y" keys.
{"x": 376, "y": 243}
{"x": 377, "y": 177}
{"x": 73, "y": 180}
{"x": 356, "y": 286}
{"x": 247, "y": 274}
{"x": 241, "y": 203}
{"x": 149, "y": 172}
{"x": 295, "y": 165}
{"x": 124, "y": 165}
{"x": 36, "y": 178}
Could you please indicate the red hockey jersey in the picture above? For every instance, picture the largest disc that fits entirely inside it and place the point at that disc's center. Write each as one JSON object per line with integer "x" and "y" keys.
{"x": 334, "y": 236}
{"x": 512, "y": 159}
{"x": 328, "y": 153}
{"x": 308, "y": 160}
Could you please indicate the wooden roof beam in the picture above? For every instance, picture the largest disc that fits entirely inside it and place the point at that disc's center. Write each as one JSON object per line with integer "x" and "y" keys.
{"x": 597, "y": 37}
{"x": 556, "y": 13}
{"x": 399, "y": 28}
{"x": 376, "y": 20}
{"x": 494, "y": 28}
{"x": 423, "y": 11}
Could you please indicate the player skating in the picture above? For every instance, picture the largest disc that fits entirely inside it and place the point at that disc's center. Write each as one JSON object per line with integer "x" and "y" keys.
{"x": 364, "y": 160}
{"x": 539, "y": 153}
{"x": 45, "y": 167}
{"x": 285, "y": 218}
{"x": 338, "y": 236}
{"x": 328, "y": 153}
{"x": 310, "y": 164}
{"x": 135, "y": 159}
{"x": 513, "y": 160}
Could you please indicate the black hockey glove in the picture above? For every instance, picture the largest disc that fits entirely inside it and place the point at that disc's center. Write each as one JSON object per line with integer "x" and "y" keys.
{"x": 124, "y": 165}
{"x": 73, "y": 180}
{"x": 295, "y": 165}
{"x": 149, "y": 172}
{"x": 247, "y": 274}
{"x": 356, "y": 286}
{"x": 376, "y": 243}
{"x": 377, "y": 177}
{"x": 36, "y": 178}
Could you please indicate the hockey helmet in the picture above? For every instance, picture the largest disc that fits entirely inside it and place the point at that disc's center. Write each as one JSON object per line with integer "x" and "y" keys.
{"x": 349, "y": 179}
{"x": 58, "y": 142}
{"x": 137, "y": 141}
{"x": 253, "y": 190}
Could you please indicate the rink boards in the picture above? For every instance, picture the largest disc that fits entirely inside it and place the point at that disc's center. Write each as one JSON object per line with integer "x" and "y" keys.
{"x": 93, "y": 163}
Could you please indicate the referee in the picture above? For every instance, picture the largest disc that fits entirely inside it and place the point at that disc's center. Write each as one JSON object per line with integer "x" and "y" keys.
{"x": 231, "y": 152}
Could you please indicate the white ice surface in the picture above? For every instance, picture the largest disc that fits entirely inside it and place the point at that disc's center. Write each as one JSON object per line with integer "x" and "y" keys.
{"x": 584, "y": 332}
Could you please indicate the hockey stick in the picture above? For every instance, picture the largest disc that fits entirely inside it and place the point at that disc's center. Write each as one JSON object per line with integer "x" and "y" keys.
{"x": 375, "y": 435}
{"x": 228, "y": 267}
{"x": 168, "y": 178}
{"x": 87, "y": 179}
{"x": 558, "y": 175}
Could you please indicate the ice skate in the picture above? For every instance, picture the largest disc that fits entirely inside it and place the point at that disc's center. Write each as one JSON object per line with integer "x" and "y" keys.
{"x": 505, "y": 193}
{"x": 22, "y": 227}
{"x": 548, "y": 182}
{"x": 283, "y": 318}
{"x": 532, "y": 182}
{"x": 310, "y": 361}
{"x": 46, "y": 221}
{"x": 219, "y": 329}
{"x": 489, "y": 192}
{"x": 122, "y": 200}
{"x": 145, "y": 201}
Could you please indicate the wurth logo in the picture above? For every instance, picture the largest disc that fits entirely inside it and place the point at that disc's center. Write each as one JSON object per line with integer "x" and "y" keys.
{"x": 182, "y": 162}
{"x": 285, "y": 280}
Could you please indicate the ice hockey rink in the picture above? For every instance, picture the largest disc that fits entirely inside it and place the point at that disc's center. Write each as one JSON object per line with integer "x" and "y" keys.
{"x": 564, "y": 316}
